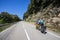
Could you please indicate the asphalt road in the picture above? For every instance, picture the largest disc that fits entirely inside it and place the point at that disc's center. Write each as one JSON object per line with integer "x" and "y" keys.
{"x": 26, "y": 31}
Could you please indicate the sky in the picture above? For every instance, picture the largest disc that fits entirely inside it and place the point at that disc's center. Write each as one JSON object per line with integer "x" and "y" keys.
{"x": 16, "y": 7}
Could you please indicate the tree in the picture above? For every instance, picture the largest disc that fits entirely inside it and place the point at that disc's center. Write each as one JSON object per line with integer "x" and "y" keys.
{"x": 37, "y": 5}
{"x": 5, "y": 17}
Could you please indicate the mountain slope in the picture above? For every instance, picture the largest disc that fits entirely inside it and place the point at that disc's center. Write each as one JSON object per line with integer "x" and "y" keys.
{"x": 49, "y": 10}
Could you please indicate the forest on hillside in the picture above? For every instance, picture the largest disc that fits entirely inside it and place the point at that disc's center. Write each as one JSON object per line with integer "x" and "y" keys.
{"x": 38, "y": 5}
{"x": 5, "y": 17}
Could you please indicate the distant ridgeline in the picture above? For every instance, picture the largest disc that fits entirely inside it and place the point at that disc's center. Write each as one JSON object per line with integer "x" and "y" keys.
{"x": 5, "y": 17}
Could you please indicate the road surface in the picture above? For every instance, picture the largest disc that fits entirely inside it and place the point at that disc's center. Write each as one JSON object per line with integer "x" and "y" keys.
{"x": 26, "y": 31}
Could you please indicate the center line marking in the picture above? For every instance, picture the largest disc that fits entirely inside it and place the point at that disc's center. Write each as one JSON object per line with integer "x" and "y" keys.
{"x": 26, "y": 33}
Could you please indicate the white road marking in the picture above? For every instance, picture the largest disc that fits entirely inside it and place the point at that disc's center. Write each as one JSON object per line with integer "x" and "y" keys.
{"x": 26, "y": 33}
{"x": 47, "y": 32}
{"x": 54, "y": 35}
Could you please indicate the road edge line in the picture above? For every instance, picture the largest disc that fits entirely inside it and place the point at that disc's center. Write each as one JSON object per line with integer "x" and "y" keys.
{"x": 54, "y": 35}
{"x": 26, "y": 32}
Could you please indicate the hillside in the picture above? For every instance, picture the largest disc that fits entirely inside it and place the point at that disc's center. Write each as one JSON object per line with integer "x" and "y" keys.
{"x": 49, "y": 10}
{"x": 41, "y": 5}
{"x": 5, "y": 17}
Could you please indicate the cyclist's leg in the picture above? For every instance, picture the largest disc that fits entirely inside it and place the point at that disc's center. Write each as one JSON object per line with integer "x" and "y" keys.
{"x": 42, "y": 29}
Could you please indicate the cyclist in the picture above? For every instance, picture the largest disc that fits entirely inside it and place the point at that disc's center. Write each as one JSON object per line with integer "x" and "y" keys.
{"x": 41, "y": 23}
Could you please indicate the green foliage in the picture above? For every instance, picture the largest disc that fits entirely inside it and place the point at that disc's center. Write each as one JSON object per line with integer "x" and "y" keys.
{"x": 5, "y": 17}
{"x": 39, "y": 5}
{"x": 56, "y": 3}
{"x": 1, "y": 20}
{"x": 35, "y": 6}
{"x": 16, "y": 18}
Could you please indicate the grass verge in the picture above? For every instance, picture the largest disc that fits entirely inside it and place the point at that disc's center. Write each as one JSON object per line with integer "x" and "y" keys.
{"x": 6, "y": 26}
